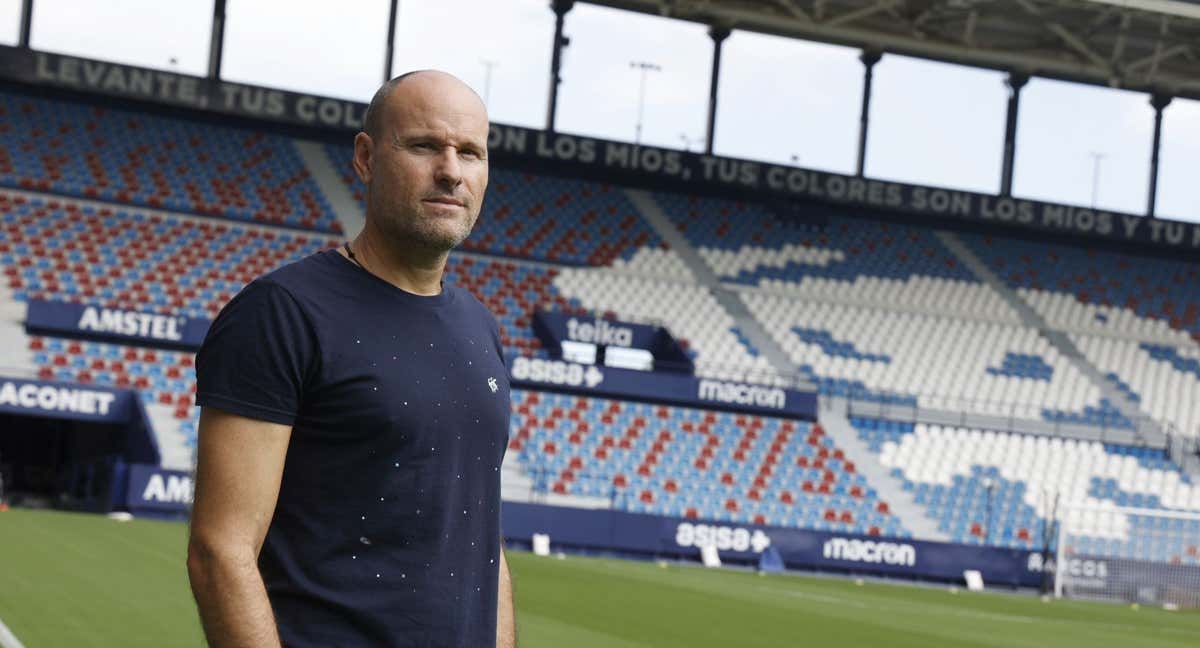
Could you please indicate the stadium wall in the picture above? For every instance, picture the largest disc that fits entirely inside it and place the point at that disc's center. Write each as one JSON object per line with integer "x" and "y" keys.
{"x": 681, "y": 538}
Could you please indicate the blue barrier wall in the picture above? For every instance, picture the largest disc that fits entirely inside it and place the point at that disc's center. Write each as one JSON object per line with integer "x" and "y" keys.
{"x": 155, "y": 492}
{"x": 618, "y": 531}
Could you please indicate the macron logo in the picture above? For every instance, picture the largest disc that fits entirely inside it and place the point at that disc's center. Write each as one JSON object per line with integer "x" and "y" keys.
{"x": 492, "y": 385}
{"x": 869, "y": 551}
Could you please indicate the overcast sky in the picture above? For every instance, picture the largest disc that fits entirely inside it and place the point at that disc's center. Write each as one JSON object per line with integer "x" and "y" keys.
{"x": 780, "y": 100}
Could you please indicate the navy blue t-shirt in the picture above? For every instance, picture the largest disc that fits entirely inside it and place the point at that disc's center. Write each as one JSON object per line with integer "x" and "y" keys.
{"x": 387, "y": 528}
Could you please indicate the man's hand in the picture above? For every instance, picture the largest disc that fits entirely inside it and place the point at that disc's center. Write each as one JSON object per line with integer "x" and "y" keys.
{"x": 239, "y": 466}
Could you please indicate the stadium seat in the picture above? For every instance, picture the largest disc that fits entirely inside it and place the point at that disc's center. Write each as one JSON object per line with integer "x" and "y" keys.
{"x": 960, "y": 474}
{"x": 652, "y": 462}
{"x": 169, "y": 163}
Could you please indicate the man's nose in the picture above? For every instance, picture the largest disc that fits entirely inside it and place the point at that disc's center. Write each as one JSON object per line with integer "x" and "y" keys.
{"x": 447, "y": 170}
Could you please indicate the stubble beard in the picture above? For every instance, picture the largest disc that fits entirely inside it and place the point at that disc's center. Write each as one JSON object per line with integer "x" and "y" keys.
{"x": 429, "y": 232}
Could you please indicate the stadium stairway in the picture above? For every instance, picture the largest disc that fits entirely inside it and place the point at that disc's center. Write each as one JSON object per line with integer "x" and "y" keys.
{"x": 174, "y": 452}
{"x": 515, "y": 485}
{"x": 1147, "y": 430}
{"x": 749, "y": 325}
{"x": 14, "y": 358}
{"x": 346, "y": 209}
{"x": 902, "y": 502}
{"x": 12, "y": 327}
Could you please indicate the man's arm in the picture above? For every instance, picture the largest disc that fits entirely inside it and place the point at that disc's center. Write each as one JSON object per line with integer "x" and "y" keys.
{"x": 506, "y": 619}
{"x": 239, "y": 466}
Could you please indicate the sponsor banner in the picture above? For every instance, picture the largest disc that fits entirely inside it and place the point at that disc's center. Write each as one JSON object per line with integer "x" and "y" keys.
{"x": 1132, "y": 580}
{"x": 598, "y": 331}
{"x": 674, "y": 169}
{"x": 664, "y": 387}
{"x": 553, "y": 328}
{"x": 66, "y": 401}
{"x": 157, "y": 489}
{"x": 846, "y": 552}
{"x": 86, "y": 320}
{"x": 178, "y": 90}
{"x": 619, "y": 531}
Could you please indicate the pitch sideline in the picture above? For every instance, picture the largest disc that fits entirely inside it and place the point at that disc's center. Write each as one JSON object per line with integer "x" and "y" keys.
{"x": 7, "y": 638}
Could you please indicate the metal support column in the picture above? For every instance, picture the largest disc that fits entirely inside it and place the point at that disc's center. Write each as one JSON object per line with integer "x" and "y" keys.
{"x": 1015, "y": 81}
{"x": 1159, "y": 102}
{"x": 869, "y": 58}
{"x": 560, "y": 8}
{"x": 389, "y": 49}
{"x": 718, "y": 35}
{"x": 217, "y": 44}
{"x": 26, "y": 23}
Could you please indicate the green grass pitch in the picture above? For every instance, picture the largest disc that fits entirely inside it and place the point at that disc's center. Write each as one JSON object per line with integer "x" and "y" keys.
{"x": 70, "y": 580}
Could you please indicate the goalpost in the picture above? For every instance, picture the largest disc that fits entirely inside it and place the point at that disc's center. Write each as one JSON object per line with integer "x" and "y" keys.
{"x": 1132, "y": 555}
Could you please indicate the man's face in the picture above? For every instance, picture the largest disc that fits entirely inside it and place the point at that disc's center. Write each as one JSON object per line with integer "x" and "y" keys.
{"x": 427, "y": 169}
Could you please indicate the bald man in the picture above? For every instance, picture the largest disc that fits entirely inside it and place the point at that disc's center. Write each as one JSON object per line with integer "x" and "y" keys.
{"x": 355, "y": 415}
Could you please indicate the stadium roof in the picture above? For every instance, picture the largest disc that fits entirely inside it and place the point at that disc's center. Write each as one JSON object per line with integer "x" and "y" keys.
{"x": 1147, "y": 45}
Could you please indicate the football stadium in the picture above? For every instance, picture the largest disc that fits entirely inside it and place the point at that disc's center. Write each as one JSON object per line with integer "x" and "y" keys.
{"x": 760, "y": 396}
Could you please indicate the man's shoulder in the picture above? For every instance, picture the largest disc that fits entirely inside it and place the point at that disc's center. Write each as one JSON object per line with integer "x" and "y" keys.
{"x": 287, "y": 287}
{"x": 465, "y": 297}
{"x": 300, "y": 274}
{"x": 469, "y": 302}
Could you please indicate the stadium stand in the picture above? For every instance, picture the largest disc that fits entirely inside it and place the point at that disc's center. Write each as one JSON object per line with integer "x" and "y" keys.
{"x": 605, "y": 260}
{"x": 688, "y": 309}
{"x": 165, "y": 377}
{"x": 86, "y": 252}
{"x": 863, "y": 308}
{"x": 1163, "y": 380}
{"x": 512, "y": 291}
{"x": 984, "y": 367}
{"x": 1096, "y": 291}
{"x": 546, "y": 218}
{"x": 1137, "y": 325}
{"x": 751, "y": 245}
{"x": 695, "y": 463}
{"x": 128, "y": 157}
{"x": 949, "y": 468}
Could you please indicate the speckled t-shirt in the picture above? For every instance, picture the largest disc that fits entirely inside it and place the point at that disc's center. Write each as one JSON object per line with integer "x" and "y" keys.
{"x": 387, "y": 529}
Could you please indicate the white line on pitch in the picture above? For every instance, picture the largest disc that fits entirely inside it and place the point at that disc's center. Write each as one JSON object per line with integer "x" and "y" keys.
{"x": 7, "y": 638}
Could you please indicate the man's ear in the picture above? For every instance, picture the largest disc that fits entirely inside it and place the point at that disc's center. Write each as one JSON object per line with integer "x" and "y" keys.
{"x": 364, "y": 157}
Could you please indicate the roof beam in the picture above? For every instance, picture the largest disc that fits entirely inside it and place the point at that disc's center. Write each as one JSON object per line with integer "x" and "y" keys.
{"x": 969, "y": 29}
{"x": 1166, "y": 7}
{"x": 1121, "y": 40}
{"x": 819, "y": 8}
{"x": 794, "y": 9}
{"x": 1073, "y": 41}
{"x": 1170, "y": 79}
{"x": 851, "y": 16}
{"x": 1157, "y": 57}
